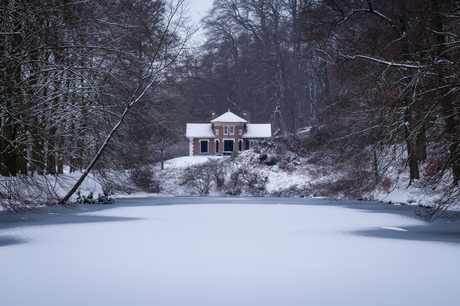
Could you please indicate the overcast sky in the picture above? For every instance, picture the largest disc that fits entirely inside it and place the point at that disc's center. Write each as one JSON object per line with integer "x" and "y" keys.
{"x": 198, "y": 9}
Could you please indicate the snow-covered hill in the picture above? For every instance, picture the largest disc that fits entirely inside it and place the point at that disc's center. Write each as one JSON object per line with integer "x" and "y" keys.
{"x": 245, "y": 174}
{"x": 295, "y": 177}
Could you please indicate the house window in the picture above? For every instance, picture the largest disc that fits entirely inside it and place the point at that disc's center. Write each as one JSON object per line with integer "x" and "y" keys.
{"x": 240, "y": 132}
{"x": 203, "y": 146}
{"x": 240, "y": 145}
{"x": 217, "y": 132}
{"x": 225, "y": 130}
{"x": 248, "y": 146}
{"x": 232, "y": 130}
{"x": 217, "y": 146}
{"x": 228, "y": 145}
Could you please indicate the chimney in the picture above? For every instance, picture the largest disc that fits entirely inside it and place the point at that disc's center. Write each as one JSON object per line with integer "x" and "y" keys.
{"x": 245, "y": 116}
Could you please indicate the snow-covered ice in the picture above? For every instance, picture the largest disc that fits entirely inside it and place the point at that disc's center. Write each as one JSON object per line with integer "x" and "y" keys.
{"x": 223, "y": 251}
{"x": 394, "y": 228}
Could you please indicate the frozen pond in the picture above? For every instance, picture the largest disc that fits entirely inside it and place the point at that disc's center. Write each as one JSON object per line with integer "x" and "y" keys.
{"x": 227, "y": 251}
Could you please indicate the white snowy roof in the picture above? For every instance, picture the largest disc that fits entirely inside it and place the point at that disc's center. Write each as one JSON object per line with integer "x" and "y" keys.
{"x": 228, "y": 117}
{"x": 199, "y": 130}
{"x": 258, "y": 130}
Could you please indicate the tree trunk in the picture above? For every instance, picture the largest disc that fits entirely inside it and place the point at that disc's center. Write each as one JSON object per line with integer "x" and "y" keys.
{"x": 411, "y": 148}
{"x": 450, "y": 113}
{"x": 133, "y": 101}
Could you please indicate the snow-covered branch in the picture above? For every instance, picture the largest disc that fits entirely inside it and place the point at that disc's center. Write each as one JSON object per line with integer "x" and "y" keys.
{"x": 357, "y": 11}
{"x": 383, "y": 62}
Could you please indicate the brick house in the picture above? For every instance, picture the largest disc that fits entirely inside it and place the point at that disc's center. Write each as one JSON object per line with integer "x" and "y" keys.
{"x": 225, "y": 134}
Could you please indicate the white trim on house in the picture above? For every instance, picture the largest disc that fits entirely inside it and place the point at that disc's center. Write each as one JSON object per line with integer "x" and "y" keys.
{"x": 190, "y": 147}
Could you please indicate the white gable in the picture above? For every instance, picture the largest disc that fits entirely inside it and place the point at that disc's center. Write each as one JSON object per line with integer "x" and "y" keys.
{"x": 229, "y": 117}
{"x": 258, "y": 130}
{"x": 203, "y": 130}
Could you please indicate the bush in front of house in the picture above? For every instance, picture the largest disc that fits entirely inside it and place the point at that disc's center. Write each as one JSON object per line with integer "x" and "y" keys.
{"x": 199, "y": 178}
{"x": 244, "y": 180}
{"x": 229, "y": 176}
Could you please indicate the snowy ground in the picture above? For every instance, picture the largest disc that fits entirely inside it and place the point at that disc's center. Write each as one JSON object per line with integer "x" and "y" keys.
{"x": 186, "y": 161}
{"x": 227, "y": 251}
{"x": 278, "y": 179}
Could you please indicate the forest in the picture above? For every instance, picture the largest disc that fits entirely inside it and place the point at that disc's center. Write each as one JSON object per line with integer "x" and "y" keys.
{"x": 97, "y": 85}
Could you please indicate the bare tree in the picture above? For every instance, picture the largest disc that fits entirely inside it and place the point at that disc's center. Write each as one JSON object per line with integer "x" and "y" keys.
{"x": 164, "y": 52}
{"x": 71, "y": 71}
{"x": 396, "y": 62}
{"x": 257, "y": 60}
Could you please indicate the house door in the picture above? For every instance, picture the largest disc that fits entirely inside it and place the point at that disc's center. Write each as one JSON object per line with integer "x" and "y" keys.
{"x": 228, "y": 146}
{"x": 203, "y": 146}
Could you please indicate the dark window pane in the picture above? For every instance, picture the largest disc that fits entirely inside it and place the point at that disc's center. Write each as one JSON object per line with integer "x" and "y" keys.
{"x": 204, "y": 147}
{"x": 228, "y": 145}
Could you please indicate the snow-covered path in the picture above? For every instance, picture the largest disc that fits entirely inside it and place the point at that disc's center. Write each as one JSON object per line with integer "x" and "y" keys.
{"x": 223, "y": 251}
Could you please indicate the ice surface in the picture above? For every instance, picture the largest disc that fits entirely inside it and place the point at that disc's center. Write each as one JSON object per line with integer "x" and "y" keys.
{"x": 225, "y": 251}
{"x": 394, "y": 228}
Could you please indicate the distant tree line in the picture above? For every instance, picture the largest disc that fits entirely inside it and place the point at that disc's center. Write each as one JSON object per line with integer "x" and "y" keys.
{"x": 257, "y": 60}
{"x": 68, "y": 69}
{"x": 378, "y": 80}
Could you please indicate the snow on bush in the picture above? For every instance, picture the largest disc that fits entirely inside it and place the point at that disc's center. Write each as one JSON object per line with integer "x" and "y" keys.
{"x": 233, "y": 176}
{"x": 282, "y": 167}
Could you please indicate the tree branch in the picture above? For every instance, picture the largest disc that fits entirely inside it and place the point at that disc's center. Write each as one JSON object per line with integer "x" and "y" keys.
{"x": 383, "y": 62}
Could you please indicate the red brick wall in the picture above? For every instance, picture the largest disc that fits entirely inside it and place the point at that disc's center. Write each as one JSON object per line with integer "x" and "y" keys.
{"x": 221, "y": 137}
{"x": 197, "y": 146}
